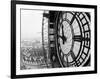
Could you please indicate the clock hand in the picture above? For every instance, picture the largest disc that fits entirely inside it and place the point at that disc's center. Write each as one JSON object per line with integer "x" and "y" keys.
{"x": 60, "y": 36}
{"x": 63, "y": 36}
{"x": 62, "y": 30}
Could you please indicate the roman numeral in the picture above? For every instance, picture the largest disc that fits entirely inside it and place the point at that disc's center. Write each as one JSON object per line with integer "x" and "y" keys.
{"x": 73, "y": 18}
{"x": 77, "y": 38}
{"x": 66, "y": 60}
{"x": 73, "y": 56}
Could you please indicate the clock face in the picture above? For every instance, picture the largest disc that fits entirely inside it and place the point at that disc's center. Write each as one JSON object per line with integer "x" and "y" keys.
{"x": 73, "y": 38}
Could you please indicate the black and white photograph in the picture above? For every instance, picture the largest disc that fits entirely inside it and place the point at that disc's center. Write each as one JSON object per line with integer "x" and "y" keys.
{"x": 55, "y": 39}
{"x": 45, "y": 45}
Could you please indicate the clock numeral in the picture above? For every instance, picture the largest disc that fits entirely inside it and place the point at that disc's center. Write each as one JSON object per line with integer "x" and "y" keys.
{"x": 73, "y": 18}
{"x": 74, "y": 57}
{"x": 77, "y": 38}
{"x": 65, "y": 58}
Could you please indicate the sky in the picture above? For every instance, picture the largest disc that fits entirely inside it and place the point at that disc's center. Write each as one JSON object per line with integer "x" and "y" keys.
{"x": 31, "y": 24}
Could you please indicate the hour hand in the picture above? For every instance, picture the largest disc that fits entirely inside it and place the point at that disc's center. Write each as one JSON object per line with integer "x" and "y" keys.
{"x": 63, "y": 38}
